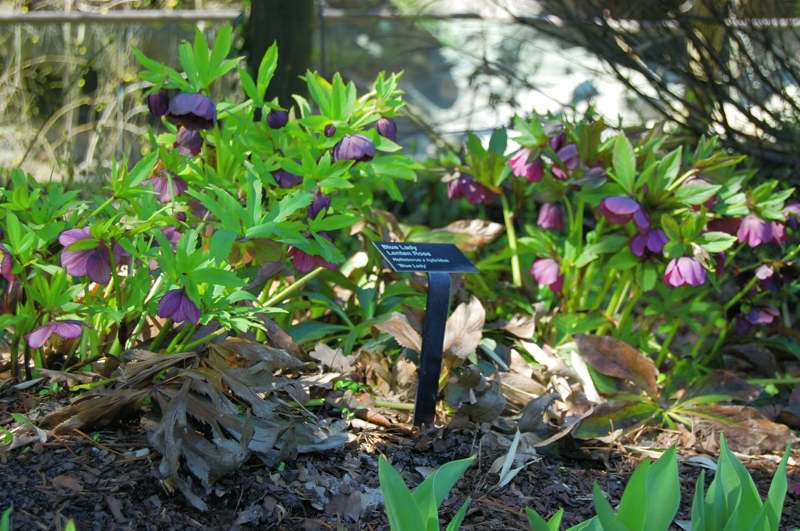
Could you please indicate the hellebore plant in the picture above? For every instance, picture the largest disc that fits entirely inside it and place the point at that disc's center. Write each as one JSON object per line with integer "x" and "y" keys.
{"x": 170, "y": 254}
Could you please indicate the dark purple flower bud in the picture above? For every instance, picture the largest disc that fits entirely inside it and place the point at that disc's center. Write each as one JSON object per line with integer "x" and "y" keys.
{"x": 192, "y": 111}
{"x": 5, "y": 265}
{"x": 66, "y": 329}
{"x": 726, "y": 225}
{"x": 354, "y": 147}
{"x": 719, "y": 263}
{"x": 619, "y": 209}
{"x": 387, "y": 129}
{"x": 754, "y": 231}
{"x": 521, "y": 167}
{"x": 277, "y": 119}
{"x": 762, "y": 315}
{"x": 547, "y": 272}
{"x": 304, "y": 262}
{"x": 557, "y": 141}
{"x": 792, "y": 213}
{"x": 466, "y": 186}
{"x": 94, "y": 262}
{"x": 180, "y": 216}
{"x": 684, "y": 270}
{"x": 258, "y": 114}
{"x": 550, "y": 217}
{"x": 167, "y": 186}
{"x": 286, "y": 179}
{"x": 158, "y": 103}
{"x": 652, "y": 240}
{"x": 198, "y": 209}
{"x": 320, "y": 202}
{"x": 176, "y": 305}
{"x": 330, "y": 130}
{"x": 188, "y": 142}
{"x": 570, "y": 159}
{"x": 172, "y": 235}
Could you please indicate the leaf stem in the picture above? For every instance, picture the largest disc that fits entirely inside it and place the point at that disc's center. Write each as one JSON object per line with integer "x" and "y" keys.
{"x": 294, "y": 288}
{"x": 508, "y": 218}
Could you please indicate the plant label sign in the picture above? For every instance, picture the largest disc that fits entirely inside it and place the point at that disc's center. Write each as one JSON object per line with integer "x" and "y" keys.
{"x": 425, "y": 257}
{"x": 438, "y": 260}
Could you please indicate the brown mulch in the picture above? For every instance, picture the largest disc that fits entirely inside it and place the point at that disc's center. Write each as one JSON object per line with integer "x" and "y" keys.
{"x": 105, "y": 481}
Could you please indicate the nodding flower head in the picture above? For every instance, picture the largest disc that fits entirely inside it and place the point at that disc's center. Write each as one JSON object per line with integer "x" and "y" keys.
{"x": 320, "y": 203}
{"x": 330, "y": 130}
{"x": 66, "y": 329}
{"x": 354, "y": 147}
{"x": 5, "y": 265}
{"x": 167, "y": 186}
{"x": 176, "y": 305}
{"x": 758, "y": 316}
{"x": 547, "y": 272}
{"x": 158, "y": 103}
{"x": 189, "y": 142}
{"x": 569, "y": 160}
{"x": 522, "y": 166}
{"x": 304, "y": 262}
{"x": 387, "y": 128}
{"x": 684, "y": 270}
{"x": 466, "y": 186}
{"x": 192, "y": 111}
{"x": 93, "y": 262}
{"x": 619, "y": 209}
{"x": 652, "y": 240}
{"x": 754, "y": 231}
{"x": 792, "y": 213}
{"x": 277, "y": 119}
{"x": 286, "y": 179}
{"x": 550, "y": 217}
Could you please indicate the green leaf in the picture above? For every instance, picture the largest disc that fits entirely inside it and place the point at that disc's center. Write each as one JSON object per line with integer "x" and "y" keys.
{"x": 537, "y": 523}
{"x": 443, "y": 479}
{"x": 201, "y": 57}
{"x": 716, "y": 242}
{"x": 605, "y": 513}
{"x": 292, "y": 203}
{"x": 777, "y": 491}
{"x": 664, "y": 491}
{"x": 186, "y": 58}
{"x": 455, "y": 523}
{"x": 267, "y": 69}
{"x": 142, "y": 170}
{"x": 749, "y": 502}
{"x": 399, "y": 504}
{"x": 698, "y": 504}
{"x": 498, "y": 141}
{"x": 222, "y": 243}
{"x": 335, "y": 222}
{"x": 217, "y": 277}
{"x": 624, "y": 162}
{"x": 222, "y": 46}
{"x": 5, "y": 520}
{"x": 636, "y": 498}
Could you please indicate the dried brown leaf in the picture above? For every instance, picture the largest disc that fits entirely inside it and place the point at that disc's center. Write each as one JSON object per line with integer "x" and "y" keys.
{"x": 746, "y": 430}
{"x": 464, "y": 329}
{"x": 399, "y": 327}
{"x": 333, "y": 359}
{"x": 271, "y": 358}
{"x": 616, "y": 358}
{"x": 472, "y": 234}
{"x": 521, "y": 325}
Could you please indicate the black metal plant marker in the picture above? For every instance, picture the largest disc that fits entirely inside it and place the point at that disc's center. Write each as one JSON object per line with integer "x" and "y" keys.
{"x": 438, "y": 260}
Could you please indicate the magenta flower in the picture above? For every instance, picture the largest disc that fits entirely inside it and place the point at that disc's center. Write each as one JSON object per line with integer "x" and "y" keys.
{"x": 550, "y": 217}
{"x": 189, "y": 142}
{"x": 330, "y": 130}
{"x": 5, "y": 265}
{"x": 304, "y": 262}
{"x": 320, "y": 203}
{"x": 158, "y": 103}
{"x": 66, "y": 329}
{"x": 94, "y": 262}
{"x": 192, "y": 111}
{"x": 277, "y": 119}
{"x": 754, "y": 231}
{"x": 652, "y": 240}
{"x": 557, "y": 141}
{"x": 167, "y": 186}
{"x": 764, "y": 272}
{"x": 684, "y": 270}
{"x": 619, "y": 209}
{"x": 522, "y": 167}
{"x": 547, "y": 272}
{"x": 286, "y": 179}
{"x": 176, "y": 305}
{"x": 778, "y": 232}
{"x": 387, "y": 128}
{"x": 354, "y": 147}
{"x": 466, "y": 186}
{"x": 570, "y": 160}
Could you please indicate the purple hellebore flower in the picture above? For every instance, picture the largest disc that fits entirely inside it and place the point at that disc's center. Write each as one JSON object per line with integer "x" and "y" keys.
{"x": 330, "y": 130}
{"x": 189, "y": 142}
{"x": 94, "y": 263}
{"x": 66, "y": 329}
{"x": 466, "y": 186}
{"x": 320, "y": 202}
{"x": 754, "y": 231}
{"x": 550, "y": 217}
{"x": 5, "y": 265}
{"x": 277, "y": 119}
{"x": 547, "y": 272}
{"x": 764, "y": 272}
{"x": 652, "y": 240}
{"x": 719, "y": 263}
{"x": 192, "y": 111}
{"x": 570, "y": 159}
{"x": 521, "y": 167}
{"x": 354, "y": 147}
{"x": 304, "y": 262}
{"x": 762, "y": 315}
{"x": 176, "y": 305}
{"x": 684, "y": 270}
{"x": 792, "y": 213}
{"x": 779, "y": 232}
{"x": 158, "y": 103}
{"x": 286, "y": 179}
{"x": 387, "y": 128}
{"x": 557, "y": 141}
{"x": 619, "y": 209}
{"x": 167, "y": 186}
